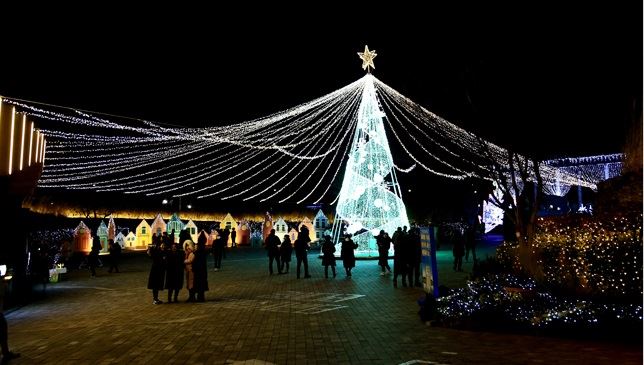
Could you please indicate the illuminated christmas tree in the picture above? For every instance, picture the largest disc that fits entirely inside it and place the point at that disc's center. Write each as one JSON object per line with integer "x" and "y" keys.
{"x": 370, "y": 198}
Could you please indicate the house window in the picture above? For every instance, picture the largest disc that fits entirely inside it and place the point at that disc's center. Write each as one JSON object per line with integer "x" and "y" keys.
{"x": 158, "y": 231}
{"x": 228, "y": 225}
{"x": 143, "y": 230}
{"x": 317, "y": 223}
{"x": 194, "y": 230}
{"x": 317, "y": 235}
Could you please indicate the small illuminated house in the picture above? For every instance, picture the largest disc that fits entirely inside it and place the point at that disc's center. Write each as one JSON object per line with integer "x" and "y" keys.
{"x": 82, "y": 238}
{"x": 320, "y": 222}
{"x": 101, "y": 232}
{"x": 143, "y": 235}
{"x": 281, "y": 228}
{"x": 229, "y": 223}
{"x": 158, "y": 226}
{"x": 307, "y": 222}
{"x": 293, "y": 234}
{"x": 130, "y": 240}
{"x": 119, "y": 239}
{"x": 192, "y": 230}
{"x": 243, "y": 233}
{"x": 111, "y": 229}
{"x": 175, "y": 224}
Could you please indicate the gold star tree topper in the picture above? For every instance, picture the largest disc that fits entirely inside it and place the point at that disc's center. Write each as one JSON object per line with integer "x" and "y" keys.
{"x": 367, "y": 58}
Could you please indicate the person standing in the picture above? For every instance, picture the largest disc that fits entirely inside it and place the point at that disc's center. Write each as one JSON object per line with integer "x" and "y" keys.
{"x": 301, "y": 251}
{"x": 348, "y": 255}
{"x": 272, "y": 246}
{"x": 92, "y": 259}
{"x": 384, "y": 242}
{"x": 115, "y": 254}
{"x": 470, "y": 243}
{"x": 156, "y": 251}
{"x": 188, "y": 259}
{"x": 458, "y": 251}
{"x": 328, "y": 257}
{"x": 200, "y": 268}
{"x": 286, "y": 250}
{"x": 233, "y": 237}
{"x": 174, "y": 272}
{"x": 218, "y": 249}
{"x": 416, "y": 257}
{"x": 399, "y": 258}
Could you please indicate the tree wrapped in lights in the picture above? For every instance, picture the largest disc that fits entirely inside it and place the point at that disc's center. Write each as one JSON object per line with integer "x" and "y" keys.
{"x": 370, "y": 198}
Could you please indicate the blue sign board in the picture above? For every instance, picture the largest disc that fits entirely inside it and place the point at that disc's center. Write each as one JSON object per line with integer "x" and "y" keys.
{"x": 429, "y": 269}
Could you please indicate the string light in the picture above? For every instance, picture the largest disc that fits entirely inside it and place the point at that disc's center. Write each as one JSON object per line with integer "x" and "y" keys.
{"x": 22, "y": 140}
{"x": 31, "y": 138}
{"x": 13, "y": 121}
{"x": 365, "y": 202}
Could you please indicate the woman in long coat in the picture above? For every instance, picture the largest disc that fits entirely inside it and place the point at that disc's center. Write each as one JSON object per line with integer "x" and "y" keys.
{"x": 328, "y": 257}
{"x": 348, "y": 256}
{"x": 200, "y": 269}
{"x": 174, "y": 272}
{"x": 189, "y": 258}
{"x": 384, "y": 243}
{"x": 286, "y": 251}
{"x": 157, "y": 271}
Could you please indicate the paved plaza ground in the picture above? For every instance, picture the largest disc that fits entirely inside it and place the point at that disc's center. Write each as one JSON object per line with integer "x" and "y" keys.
{"x": 250, "y": 317}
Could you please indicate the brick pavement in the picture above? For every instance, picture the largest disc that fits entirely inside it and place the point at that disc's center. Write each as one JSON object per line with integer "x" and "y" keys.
{"x": 253, "y": 318}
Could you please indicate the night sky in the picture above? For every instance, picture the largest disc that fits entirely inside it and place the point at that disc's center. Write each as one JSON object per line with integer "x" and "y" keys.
{"x": 547, "y": 81}
{"x": 569, "y": 76}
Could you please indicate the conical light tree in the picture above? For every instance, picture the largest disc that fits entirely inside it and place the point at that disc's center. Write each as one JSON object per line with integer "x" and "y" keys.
{"x": 370, "y": 198}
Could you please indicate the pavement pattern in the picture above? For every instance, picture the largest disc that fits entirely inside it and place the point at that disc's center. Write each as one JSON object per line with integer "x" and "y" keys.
{"x": 251, "y": 317}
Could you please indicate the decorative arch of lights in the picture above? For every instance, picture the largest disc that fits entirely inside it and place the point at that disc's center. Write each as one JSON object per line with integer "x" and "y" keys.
{"x": 293, "y": 156}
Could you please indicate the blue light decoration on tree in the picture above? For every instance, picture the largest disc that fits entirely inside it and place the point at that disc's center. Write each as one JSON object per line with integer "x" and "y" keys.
{"x": 370, "y": 198}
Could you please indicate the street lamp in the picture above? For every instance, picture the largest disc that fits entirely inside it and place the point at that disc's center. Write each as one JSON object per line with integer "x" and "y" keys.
{"x": 165, "y": 201}
{"x": 189, "y": 206}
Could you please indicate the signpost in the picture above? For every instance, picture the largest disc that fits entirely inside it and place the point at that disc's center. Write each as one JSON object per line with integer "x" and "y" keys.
{"x": 429, "y": 268}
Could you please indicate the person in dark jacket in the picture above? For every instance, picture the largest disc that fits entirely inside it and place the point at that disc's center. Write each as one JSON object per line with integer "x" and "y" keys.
{"x": 301, "y": 251}
{"x": 115, "y": 254}
{"x": 156, "y": 251}
{"x": 328, "y": 255}
{"x": 233, "y": 238}
{"x": 200, "y": 268}
{"x": 416, "y": 256}
{"x": 218, "y": 249}
{"x": 400, "y": 266}
{"x": 174, "y": 272}
{"x": 272, "y": 246}
{"x": 348, "y": 255}
{"x": 286, "y": 250}
{"x": 384, "y": 242}
{"x": 92, "y": 258}
{"x": 458, "y": 250}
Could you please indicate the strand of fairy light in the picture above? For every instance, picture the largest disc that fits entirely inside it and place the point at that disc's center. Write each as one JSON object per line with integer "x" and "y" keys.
{"x": 109, "y": 171}
{"x": 139, "y": 141}
{"x": 385, "y": 102}
{"x": 254, "y": 155}
{"x": 462, "y": 136}
{"x": 339, "y": 135}
{"x": 116, "y": 162}
{"x": 457, "y": 135}
{"x": 387, "y": 98}
{"x": 54, "y": 116}
{"x": 194, "y": 172}
{"x": 123, "y": 154}
{"x": 350, "y": 131}
{"x": 350, "y": 114}
{"x": 273, "y": 161}
{"x": 138, "y": 166}
{"x": 411, "y": 107}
